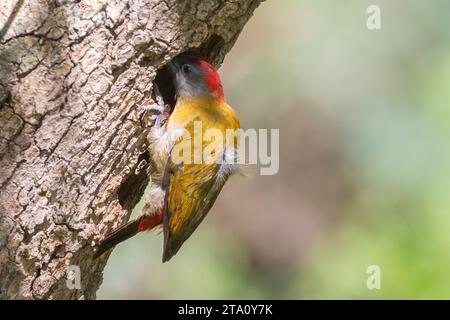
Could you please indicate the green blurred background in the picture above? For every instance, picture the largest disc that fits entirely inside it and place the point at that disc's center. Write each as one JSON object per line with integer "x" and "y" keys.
{"x": 364, "y": 164}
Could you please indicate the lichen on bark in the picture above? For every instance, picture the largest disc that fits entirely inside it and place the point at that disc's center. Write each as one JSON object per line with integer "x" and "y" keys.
{"x": 72, "y": 140}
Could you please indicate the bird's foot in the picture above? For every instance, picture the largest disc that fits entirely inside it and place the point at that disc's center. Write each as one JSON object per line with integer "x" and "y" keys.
{"x": 153, "y": 107}
{"x": 157, "y": 109}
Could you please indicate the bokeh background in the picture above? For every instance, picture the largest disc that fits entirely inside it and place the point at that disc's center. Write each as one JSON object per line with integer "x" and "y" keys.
{"x": 364, "y": 179}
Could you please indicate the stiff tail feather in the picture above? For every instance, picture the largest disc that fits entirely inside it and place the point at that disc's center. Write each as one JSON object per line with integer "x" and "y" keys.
{"x": 126, "y": 231}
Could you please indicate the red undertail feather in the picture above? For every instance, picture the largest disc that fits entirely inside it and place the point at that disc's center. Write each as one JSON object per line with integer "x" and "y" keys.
{"x": 150, "y": 222}
{"x": 128, "y": 230}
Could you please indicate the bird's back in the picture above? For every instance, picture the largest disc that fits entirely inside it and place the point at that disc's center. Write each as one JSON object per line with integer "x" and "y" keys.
{"x": 193, "y": 187}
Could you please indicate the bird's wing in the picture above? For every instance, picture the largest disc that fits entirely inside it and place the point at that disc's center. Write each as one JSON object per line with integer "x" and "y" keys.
{"x": 191, "y": 189}
{"x": 191, "y": 192}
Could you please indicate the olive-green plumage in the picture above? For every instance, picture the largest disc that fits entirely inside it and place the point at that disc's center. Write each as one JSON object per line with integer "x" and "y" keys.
{"x": 193, "y": 188}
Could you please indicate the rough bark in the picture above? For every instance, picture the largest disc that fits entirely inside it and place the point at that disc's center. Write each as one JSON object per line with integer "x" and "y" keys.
{"x": 73, "y": 144}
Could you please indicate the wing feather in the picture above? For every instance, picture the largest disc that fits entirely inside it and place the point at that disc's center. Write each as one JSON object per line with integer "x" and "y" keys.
{"x": 192, "y": 189}
{"x": 191, "y": 193}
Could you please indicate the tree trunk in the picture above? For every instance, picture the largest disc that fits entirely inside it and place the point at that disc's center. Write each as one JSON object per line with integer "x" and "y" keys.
{"x": 73, "y": 144}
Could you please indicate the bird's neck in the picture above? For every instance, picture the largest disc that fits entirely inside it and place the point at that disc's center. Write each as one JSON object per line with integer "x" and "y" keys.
{"x": 203, "y": 101}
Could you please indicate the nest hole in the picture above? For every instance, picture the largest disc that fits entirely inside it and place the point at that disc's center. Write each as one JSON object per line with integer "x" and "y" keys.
{"x": 165, "y": 82}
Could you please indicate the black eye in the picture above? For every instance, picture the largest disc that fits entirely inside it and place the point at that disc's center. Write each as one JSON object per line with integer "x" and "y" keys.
{"x": 186, "y": 69}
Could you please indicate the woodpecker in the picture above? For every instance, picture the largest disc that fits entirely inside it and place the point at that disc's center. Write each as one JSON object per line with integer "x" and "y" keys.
{"x": 182, "y": 192}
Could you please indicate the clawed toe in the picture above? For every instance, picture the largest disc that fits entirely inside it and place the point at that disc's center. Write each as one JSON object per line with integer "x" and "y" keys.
{"x": 153, "y": 107}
